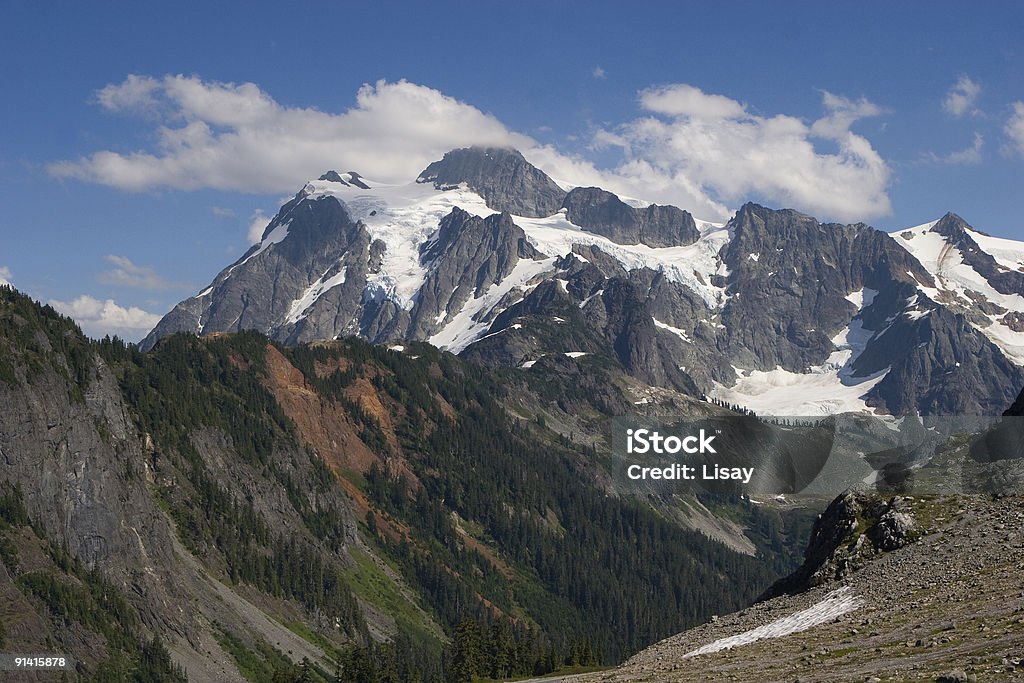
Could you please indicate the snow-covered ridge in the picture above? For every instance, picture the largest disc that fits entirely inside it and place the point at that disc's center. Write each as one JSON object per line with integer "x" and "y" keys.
{"x": 957, "y": 281}
{"x": 406, "y": 216}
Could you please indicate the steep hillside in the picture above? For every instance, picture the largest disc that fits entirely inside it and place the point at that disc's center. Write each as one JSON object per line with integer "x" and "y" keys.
{"x": 253, "y": 506}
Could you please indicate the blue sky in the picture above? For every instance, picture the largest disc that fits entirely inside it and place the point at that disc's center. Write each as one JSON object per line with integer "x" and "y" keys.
{"x": 134, "y": 159}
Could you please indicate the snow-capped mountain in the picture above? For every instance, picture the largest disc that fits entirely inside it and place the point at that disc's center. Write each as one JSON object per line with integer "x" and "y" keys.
{"x": 487, "y": 256}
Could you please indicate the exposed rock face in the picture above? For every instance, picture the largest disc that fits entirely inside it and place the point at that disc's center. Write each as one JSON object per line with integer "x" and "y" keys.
{"x": 601, "y": 212}
{"x": 86, "y": 481}
{"x": 505, "y": 180}
{"x": 467, "y": 256}
{"x": 309, "y": 244}
{"x": 1016, "y": 408}
{"x": 96, "y": 485}
{"x": 789, "y": 279}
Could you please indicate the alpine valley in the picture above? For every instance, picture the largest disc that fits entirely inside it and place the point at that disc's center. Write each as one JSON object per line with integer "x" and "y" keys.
{"x": 375, "y": 447}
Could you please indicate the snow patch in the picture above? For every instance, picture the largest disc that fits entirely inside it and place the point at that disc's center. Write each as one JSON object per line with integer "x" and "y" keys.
{"x": 693, "y": 265}
{"x": 825, "y": 389}
{"x": 863, "y": 297}
{"x": 276, "y": 236}
{"x": 834, "y": 605}
{"x": 465, "y": 327}
{"x": 312, "y": 293}
{"x": 674, "y": 330}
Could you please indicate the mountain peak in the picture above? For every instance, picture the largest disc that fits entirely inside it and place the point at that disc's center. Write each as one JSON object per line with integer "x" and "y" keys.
{"x": 350, "y": 178}
{"x": 502, "y": 176}
{"x": 332, "y": 176}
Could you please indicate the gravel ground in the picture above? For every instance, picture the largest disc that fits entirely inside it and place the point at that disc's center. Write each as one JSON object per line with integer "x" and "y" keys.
{"x": 947, "y": 607}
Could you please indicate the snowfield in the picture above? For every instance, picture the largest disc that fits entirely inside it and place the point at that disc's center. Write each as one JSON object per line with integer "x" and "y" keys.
{"x": 825, "y": 389}
{"x": 406, "y": 216}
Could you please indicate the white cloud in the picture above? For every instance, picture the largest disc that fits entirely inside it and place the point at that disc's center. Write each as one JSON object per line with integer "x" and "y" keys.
{"x": 686, "y": 100}
{"x": 98, "y": 318}
{"x": 236, "y": 137}
{"x": 598, "y": 73}
{"x": 5, "y": 277}
{"x": 257, "y": 224}
{"x": 1014, "y": 129}
{"x": 711, "y": 146}
{"x": 222, "y": 212}
{"x": 125, "y": 273}
{"x": 968, "y": 156}
{"x": 961, "y": 97}
{"x": 703, "y": 152}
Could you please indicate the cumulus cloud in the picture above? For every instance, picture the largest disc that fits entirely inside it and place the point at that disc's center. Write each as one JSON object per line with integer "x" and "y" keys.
{"x": 125, "y": 273}
{"x": 98, "y": 318}
{"x": 236, "y": 137}
{"x": 704, "y": 152}
{"x": 1014, "y": 129}
{"x": 713, "y": 146}
{"x": 961, "y": 97}
{"x": 5, "y": 277}
{"x": 968, "y": 156}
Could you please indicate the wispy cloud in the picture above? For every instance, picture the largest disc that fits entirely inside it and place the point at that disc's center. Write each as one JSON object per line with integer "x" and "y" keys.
{"x": 125, "y": 273}
{"x": 5, "y": 276}
{"x": 1014, "y": 130}
{"x": 98, "y": 318}
{"x": 961, "y": 97}
{"x": 598, "y": 73}
{"x": 222, "y": 212}
{"x": 257, "y": 224}
{"x": 968, "y": 156}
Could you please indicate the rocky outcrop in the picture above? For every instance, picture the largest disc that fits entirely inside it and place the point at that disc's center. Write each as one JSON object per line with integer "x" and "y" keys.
{"x": 848, "y": 534}
{"x": 506, "y": 180}
{"x": 467, "y": 256}
{"x": 944, "y": 608}
{"x": 601, "y": 212}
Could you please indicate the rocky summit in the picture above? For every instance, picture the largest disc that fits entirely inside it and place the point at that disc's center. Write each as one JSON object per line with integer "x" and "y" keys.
{"x": 485, "y": 255}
